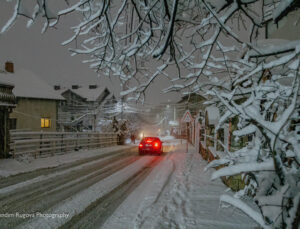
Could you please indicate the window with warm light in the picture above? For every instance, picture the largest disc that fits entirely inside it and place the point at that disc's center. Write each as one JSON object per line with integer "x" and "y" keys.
{"x": 45, "y": 123}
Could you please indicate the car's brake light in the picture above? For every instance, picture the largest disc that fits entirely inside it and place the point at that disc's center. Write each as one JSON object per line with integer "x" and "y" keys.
{"x": 149, "y": 141}
{"x": 156, "y": 144}
{"x": 140, "y": 145}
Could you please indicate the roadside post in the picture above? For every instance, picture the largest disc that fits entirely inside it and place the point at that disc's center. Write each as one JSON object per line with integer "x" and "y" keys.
{"x": 187, "y": 119}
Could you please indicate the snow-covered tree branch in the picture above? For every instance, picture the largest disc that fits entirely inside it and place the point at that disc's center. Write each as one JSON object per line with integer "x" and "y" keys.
{"x": 211, "y": 46}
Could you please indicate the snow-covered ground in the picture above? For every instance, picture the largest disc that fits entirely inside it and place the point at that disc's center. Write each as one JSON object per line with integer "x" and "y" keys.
{"x": 24, "y": 164}
{"x": 176, "y": 194}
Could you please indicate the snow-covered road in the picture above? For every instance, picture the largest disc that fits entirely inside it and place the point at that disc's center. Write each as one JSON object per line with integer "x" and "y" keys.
{"x": 178, "y": 194}
{"x": 120, "y": 190}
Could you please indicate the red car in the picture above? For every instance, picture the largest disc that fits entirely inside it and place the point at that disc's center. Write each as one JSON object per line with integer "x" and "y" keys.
{"x": 150, "y": 145}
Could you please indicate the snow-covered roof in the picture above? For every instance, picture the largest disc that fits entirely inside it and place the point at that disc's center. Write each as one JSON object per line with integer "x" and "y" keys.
{"x": 110, "y": 96}
{"x": 3, "y": 82}
{"x": 84, "y": 92}
{"x": 28, "y": 85}
{"x": 213, "y": 115}
{"x": 90, "y": 94}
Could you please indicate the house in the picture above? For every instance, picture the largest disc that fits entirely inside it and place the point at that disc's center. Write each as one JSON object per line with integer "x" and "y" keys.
{"x": 83, "y": 106}
{"x": 36, "y": 101}
{"x": 194, "y": 103}
{"x": 7, "y": 103}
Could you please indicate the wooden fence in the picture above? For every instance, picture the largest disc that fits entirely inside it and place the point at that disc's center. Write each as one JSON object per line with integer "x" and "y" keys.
{"x": 45, "y": 143}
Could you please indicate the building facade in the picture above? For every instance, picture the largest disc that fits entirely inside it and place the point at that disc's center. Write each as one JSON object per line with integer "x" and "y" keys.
{"x": 7, "y": 103}
{"x": 83, "y": 107}
{"x": 36, "y": 101}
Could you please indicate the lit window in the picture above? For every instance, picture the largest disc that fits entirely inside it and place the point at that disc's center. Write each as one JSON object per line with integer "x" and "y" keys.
{"x": 45, "y": 123}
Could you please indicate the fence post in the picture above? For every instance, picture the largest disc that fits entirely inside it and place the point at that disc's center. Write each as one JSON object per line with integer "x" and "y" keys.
{"x": 53, "y": 146}
{"x": 14, "y": 150}
{"x": 88, "y": 141}
{"x": 61, "y": 142}
{"x": 41, "y": 143}
{"x": 77, "y": 147}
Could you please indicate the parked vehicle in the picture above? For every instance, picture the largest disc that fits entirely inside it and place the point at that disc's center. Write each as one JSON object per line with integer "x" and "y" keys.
{"x": 150, "y": 145}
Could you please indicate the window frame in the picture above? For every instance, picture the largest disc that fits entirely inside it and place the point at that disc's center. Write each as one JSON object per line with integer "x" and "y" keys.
{"x": 44, "y": 121}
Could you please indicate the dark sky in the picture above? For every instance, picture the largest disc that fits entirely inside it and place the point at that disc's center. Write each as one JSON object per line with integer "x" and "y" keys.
{"x": 43, "y": 55}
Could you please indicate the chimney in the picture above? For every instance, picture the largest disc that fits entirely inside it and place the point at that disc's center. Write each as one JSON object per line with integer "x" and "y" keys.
{"x": 94, "y": 86}
{"x": 75, "y": 86}
{"x": 9, "y": 66}
{"x": 56, "y": 87}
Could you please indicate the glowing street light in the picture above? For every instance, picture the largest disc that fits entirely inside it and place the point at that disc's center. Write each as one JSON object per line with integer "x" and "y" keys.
{"x": 142, "y": 135}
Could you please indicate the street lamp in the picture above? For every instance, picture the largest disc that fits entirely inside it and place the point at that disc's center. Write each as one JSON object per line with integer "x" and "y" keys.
{"x": 142, "y": 135}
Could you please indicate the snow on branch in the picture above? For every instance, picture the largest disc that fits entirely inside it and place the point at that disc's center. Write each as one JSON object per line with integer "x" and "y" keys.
{"x": 245, "y": 208}
{"x": 267, "y": 165}
{"x": 200, "y": 46}
{"x": 250, "y": 129}
{"x": 13, "y": 18}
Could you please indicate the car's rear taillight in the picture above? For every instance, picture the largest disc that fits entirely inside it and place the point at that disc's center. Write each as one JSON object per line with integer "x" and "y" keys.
{"x": 140, "y": 145}
{"x": 156, "y": 144}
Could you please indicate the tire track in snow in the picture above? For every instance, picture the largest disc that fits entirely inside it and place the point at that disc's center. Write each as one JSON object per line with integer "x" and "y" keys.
{"x": 132, "y": 212}
{"x": 37, "y": 179}
{"x": 80, "y": 201}
{"x": 20, "y": 177}
{"x": 45, "y": 197}
{"x": 99, "y": 211}
{"x": 163, "y": 177}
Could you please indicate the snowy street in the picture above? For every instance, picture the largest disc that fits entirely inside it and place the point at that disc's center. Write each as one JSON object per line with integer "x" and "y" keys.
{"x": 118, "y": 189}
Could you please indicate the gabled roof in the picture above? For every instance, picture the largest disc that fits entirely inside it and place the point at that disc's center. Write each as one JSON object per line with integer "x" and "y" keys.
{"x": 4, "y": 83}
{"x": 91, "y": 95}
{"x": 28, "y": 85}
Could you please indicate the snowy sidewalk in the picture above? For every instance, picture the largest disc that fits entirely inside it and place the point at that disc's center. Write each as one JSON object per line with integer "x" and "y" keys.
{"x": 10, "y": 167}
{"x": 178, "y": 194}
